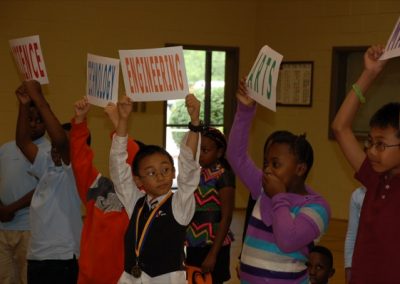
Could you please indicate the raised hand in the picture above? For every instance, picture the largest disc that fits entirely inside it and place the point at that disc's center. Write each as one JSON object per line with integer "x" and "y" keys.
{"x": 22, "y": 96}
{"x": 112, "y": 112}
{"x": 371, "y": 59}
{"x": 33, "y": 89}
{"x": 193, "y": 108}
{"x": 124, "y": 108}
{"x": 81, "y": 108}
{"x": 242, "y": 93}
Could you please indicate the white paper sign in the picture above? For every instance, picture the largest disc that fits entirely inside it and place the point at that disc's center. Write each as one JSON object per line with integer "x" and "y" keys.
{"x": 263, "y": 77}
{"x": 392, "y": 48}
{"x": 102, "y": 80}
{"x": 29, "y": 58}
{"x": 154, "y": 74}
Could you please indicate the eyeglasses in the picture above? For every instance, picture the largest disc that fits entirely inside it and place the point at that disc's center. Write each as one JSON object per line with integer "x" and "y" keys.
{"x": 153, "y": 174}
{"x": 379, "y": 146}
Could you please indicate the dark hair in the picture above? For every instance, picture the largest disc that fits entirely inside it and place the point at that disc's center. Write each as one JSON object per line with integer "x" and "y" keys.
{"x": 215, "y": 135}
{"x": 140, "y": 144}
{"x": 68, "y": 126}
{"x": 145, "y": 151}
{"x": 387, "y": 116}
{"x": 325, "y": 252}
{"x": 301, "y": 148}
{"x": 219, "y": 139}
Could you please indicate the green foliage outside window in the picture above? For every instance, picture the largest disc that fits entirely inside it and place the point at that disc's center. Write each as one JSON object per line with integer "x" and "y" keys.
{"x": 195, "y": 66}
{"x": 180, "y": 116}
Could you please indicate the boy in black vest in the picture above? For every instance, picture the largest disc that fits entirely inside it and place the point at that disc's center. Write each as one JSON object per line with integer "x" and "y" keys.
{"x": 155, "y": 237}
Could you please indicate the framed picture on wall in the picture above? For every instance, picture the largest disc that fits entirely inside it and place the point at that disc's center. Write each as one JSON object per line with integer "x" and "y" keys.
{"x": 294, "y": 87}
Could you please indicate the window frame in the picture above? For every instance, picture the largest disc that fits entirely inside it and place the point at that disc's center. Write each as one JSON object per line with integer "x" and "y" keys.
{"x": 231, "y": 85}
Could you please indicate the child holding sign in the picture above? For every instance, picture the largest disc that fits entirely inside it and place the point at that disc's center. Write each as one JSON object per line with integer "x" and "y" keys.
{"x": 55, "y": 214}
{"x": 106, "y": 218}
{"x": 208, "y": 236}
{"x": 155, "y": 237}
{"x": 288, "y": 215}
{"x": 378, "y": 169}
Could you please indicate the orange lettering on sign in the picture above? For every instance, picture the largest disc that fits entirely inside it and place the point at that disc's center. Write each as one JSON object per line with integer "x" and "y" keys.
{"x": 153, "y": 71}
{"x": 132, "y": 79}
{"x": 172, "y": 71}
{"x": 167, "y": 72}
{"x": 163, "y": 78}
{"x": 179, "y": 71}
{"x": 158, "y": 74}
{"x": 139, "y": 65}
{"x": 147, "y": 75}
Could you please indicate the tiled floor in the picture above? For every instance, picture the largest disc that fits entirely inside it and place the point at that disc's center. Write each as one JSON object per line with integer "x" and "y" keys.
{"x": 333, "y": 239}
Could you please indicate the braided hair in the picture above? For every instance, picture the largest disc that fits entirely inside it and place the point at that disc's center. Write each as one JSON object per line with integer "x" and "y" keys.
{"x": 219, "y": 139}
{"x": 298, "y": 144}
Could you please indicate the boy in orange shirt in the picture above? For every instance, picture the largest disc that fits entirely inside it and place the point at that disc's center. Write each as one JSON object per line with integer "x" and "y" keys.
{"x": 102, "y": 242}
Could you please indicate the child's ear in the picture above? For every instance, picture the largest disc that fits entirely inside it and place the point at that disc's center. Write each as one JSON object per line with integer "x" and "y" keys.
{"x": 332, "y": 272}
{"x": 138, "y": 181}
{"x": 301, "y": 169}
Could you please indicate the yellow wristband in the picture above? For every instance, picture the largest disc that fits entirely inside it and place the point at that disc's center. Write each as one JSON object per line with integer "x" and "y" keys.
{"x": 357, "y": 90}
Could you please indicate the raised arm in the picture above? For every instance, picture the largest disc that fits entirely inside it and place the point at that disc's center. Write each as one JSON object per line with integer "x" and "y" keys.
{"x": 54, "y": 129}
{"x": 193, "y": 108}
{"x": 183, "y": 203}
{"x": 120, "y": 171}
{"x": 342, "y": 124}
{"x": 81, "y": 155}
{"x": 27, "y": 114}
{"x": 111, "y": 111}
{"x": 236, "y": 153}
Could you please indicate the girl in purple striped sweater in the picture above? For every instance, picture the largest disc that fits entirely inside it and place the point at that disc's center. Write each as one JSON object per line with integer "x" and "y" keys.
{"x": 288, "y": 215}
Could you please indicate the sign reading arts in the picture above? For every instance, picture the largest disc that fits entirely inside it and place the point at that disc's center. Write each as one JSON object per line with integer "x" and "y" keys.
{"x": 102, "y": 80}
{"x": 263, "y": 77}
{"x": 29, "y": 58}
{"x": 154, "y": 74}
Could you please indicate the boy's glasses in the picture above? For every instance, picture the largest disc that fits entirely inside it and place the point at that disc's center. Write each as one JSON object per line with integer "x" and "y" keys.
{"x": 164, "y": 172}
{"x": 379, "y": 146}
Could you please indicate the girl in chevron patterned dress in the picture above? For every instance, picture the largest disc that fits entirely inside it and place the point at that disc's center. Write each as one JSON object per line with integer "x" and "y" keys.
{"x": 208, "y": 237}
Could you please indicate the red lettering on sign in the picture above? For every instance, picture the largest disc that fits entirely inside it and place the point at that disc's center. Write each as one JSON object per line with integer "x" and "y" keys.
{"x": 139, "y": 64}
{"x": 163, "y": 78}
{"x": 172, "y": 71}
{"x": 158, "y": 75}
{"x": 147, "y": 75}
{"x": 131, "y": 80}
{"x": 31, "y": 60}
{"x": 179, "y": 71}
{"x": 38, "y": 59}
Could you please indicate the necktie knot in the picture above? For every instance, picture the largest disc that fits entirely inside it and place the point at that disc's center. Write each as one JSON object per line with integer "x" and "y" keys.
{"x": 153, "y": 204}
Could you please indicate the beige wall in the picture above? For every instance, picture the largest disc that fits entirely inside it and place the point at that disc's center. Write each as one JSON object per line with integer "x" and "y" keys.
{"x": 300, "y": 30}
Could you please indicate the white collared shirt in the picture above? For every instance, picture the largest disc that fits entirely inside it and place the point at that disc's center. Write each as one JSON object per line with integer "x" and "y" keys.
{"x": 183, "y": 202}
